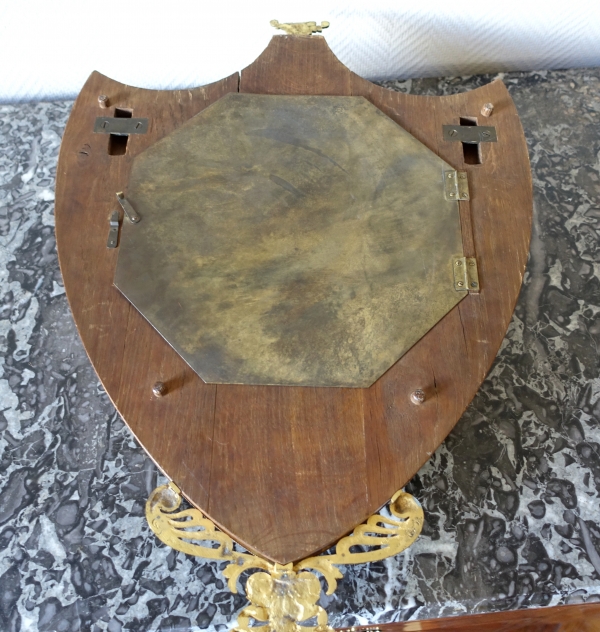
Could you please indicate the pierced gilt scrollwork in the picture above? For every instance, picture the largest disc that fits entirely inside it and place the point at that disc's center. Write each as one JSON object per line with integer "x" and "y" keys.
{"x": 283, "y": 596}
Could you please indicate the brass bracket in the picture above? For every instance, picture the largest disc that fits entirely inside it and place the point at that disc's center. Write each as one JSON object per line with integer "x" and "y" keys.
{"x": 466, "y": 276}
{"x": 456, "y": 186}
{"x": 284, "y": 595}
{"x": 120, "y": 126}
{"x": 470, "y": 134}
{"x": 300, "y": 28}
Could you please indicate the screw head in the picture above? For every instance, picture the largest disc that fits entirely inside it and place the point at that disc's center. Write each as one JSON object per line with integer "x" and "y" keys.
{"x": 159, "y": 389}
{"x": 417, "y": 397}
{"x": 452, "y": 132}
{"x": 460, "y": 284}
{"x": 102, "y": 100}
{"x": 459, "y": 263}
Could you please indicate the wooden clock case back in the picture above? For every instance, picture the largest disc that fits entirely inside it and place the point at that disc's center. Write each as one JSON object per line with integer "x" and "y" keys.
{"x": 287, "y": 471}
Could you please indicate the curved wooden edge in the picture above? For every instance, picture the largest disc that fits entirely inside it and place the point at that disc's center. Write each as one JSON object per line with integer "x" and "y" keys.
{"x": 252, "y": 458}
{"x": 569, "y": 618}
{"x": 126, "y": 352}
{"x": 496, "y": 229}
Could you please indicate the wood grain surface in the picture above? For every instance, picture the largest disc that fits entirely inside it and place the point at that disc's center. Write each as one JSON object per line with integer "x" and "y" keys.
{"x": 289, "y": 470}
{"x": 573, "y": 618}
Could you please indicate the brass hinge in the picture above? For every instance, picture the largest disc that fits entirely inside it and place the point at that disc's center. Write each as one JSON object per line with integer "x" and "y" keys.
{"x": 466, "y": 276}
{"x": 456, "y": 186}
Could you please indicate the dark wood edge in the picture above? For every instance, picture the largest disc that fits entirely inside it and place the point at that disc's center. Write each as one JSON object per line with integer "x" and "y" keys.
{"x": 571, "y": 618}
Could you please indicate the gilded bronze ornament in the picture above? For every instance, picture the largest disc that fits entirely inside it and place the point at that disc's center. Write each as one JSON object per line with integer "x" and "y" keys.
{"x": 300, "y": 28}
{"x": 283, "y": 596}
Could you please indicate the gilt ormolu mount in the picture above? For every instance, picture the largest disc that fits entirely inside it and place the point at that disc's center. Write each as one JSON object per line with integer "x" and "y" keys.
{"x": 289, "y": 470}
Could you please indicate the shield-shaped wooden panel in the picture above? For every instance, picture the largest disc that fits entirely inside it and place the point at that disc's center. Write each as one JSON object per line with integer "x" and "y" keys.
{"x": 286, "y": 465}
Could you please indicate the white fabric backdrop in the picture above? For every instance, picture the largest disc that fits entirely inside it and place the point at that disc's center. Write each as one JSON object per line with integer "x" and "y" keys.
{"x": 49, "y": 47}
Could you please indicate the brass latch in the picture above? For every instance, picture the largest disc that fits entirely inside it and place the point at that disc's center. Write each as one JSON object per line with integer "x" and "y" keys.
{"x": 113, "y": 231}
{"x": 456, "y": 186}
{"x": 113, "y": 221}
{"x": 132, "y": 215}
{"x": 466, "y": 276}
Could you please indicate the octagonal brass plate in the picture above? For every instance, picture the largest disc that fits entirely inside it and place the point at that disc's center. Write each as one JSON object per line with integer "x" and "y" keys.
{"x": 291, "y": 240}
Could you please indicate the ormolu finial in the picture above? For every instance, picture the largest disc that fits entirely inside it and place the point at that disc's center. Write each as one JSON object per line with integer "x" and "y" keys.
{"x": 300, "y": 28}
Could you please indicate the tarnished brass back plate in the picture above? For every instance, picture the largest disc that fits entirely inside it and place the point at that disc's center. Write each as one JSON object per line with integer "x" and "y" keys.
{"x": 293, "y": 240}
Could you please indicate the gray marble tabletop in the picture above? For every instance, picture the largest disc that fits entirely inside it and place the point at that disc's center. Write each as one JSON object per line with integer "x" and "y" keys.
{"x": 511, "y": 497}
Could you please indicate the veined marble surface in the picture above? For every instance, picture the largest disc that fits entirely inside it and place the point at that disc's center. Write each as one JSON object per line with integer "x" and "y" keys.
{"x": 511, "y": 498}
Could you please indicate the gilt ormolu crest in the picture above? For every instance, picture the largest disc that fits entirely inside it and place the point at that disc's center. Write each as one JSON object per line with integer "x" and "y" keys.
{"x": 288, "y": 470}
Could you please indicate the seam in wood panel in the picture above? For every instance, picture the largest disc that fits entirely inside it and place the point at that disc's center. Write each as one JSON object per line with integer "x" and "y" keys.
{"x": 364, "y": 429}
{"x": 118, "y": 396}
{"x": 135, "y": 435}
{"x": 379, "y": 472}
{"x": 435, "y": 388}
{"x": 462, "y": 326}
{"x": 466, "y": 224}
{"x": 212, "y": 449}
